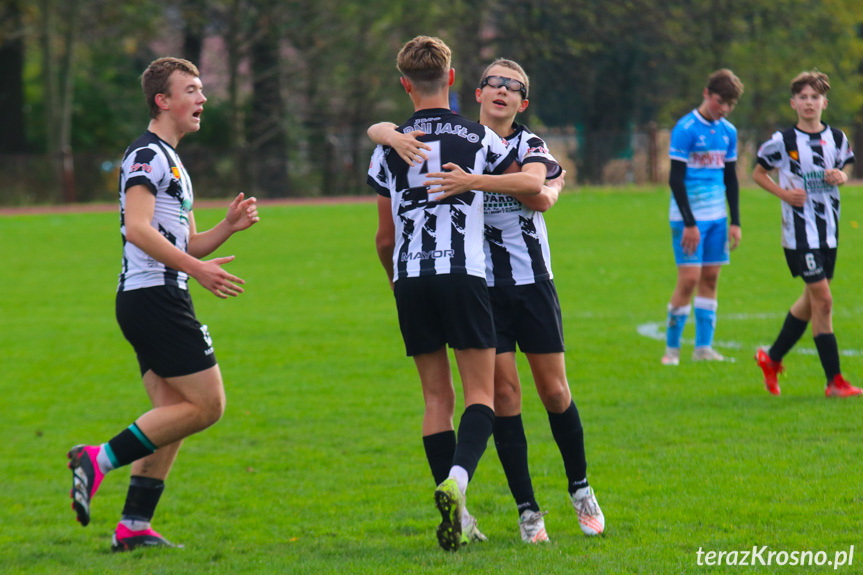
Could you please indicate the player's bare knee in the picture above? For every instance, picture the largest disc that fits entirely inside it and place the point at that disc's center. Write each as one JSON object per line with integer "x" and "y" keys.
{"x": 507, "y": 400}
{"x": 557, "y": 398}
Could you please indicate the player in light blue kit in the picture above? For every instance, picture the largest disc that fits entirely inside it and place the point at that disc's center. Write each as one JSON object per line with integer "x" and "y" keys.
{"x": 703, "y": 176}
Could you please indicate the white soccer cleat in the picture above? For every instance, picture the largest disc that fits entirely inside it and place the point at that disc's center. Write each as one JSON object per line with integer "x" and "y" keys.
{"x": 532, "y": 526}
{"x": 470, "y": 533}
{"x": 707, "y": 353}
{"x": 672, "y": 356}
{"x": 590, "y": 516}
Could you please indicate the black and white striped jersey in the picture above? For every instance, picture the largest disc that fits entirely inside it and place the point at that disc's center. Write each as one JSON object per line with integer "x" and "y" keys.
{"x": 438, "y": 237}
{"x": 153, "y": 163}
{"x": 516, "y": 240}
{"x": 802, "y": 160}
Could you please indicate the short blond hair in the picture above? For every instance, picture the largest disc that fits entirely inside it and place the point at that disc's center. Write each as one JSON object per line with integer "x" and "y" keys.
{"x": 155, "y": 78}
{"x": 818, "y": 80}
{"x": 426, "y": 62}
{"x": 724, "y": 83}
{"x": 512, "y": 65}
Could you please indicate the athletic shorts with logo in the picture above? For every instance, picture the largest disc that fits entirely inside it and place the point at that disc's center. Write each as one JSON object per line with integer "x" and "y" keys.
{"x": 437, "y": 310}
{"x": 811, "y": 265}
{"x": 160, "y": 324}
{"x": 712, "y": 250}
{"x": 527, "y": 315}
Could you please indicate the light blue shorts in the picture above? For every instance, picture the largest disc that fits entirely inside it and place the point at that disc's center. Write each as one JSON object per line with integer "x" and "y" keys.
{"x": 712, "y": 249}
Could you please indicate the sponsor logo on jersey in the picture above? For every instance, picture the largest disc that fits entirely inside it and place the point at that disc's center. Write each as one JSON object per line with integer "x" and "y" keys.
{"x": 460, "y": 131}
{"x": 706, "y": 160}
{"x": 429, "y": 255}
{"x": 139, "y": 167}
{"x": 537, "y": 150}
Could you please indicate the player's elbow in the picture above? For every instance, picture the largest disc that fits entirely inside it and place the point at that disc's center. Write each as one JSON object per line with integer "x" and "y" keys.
{"x": 384, "y": 243}
{"x": 135, "y": 233}
{"x": 536, "y": 183}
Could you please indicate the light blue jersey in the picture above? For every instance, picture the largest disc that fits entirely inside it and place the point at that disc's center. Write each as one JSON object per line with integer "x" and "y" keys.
{"x": 705, "y": 147}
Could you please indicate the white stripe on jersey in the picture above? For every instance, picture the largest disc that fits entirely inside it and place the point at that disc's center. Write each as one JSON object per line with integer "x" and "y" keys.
{"x": 153, "y": 163}
{"x": 438, "y": 238}
{"x": 802, "y": 160}
{"x": 516, "y": 240}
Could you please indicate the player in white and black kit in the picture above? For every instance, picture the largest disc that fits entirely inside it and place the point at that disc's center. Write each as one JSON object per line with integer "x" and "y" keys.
{"x": 161, "y": 250}
{"x": 524, "y": 301}
{"x": 810, "y": 158}
{"x": 430, "y": 242}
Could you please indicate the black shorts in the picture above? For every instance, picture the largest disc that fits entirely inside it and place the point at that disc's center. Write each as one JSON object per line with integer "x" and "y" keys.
{"x": 812, "y": 265}
{"x": 160, "y": 324}
{"x": 528, "y": 315}
{"x": 445, "y": 309}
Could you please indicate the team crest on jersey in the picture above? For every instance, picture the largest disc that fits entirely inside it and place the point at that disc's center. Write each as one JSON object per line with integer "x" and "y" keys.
{"x": 794, "y": 155}
{"x": 176, "y": 171}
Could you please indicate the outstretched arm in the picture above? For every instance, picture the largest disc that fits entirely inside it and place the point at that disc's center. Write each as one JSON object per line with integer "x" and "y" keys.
{"x": 242, "y": 214}
{"x": 551, "y": 189}
{"x": 407, "y": 146}
{"x": 457, "y": 181}
{"x": 140, "y": 206}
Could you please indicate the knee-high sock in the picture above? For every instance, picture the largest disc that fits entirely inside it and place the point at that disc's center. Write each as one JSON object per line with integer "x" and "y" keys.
{"x": 440, "y": 450}
{"x": 142, "y": 498}
{"x": 511, "y": 444}
{"x": 476, "y": 426}
{"x": 828, "y": 352}
{"x": 569, "y": 435}
{"x": 705, "y": 321}
{"x": 791, "y": 332}
{"x": 675, "y": 324}
{"x": 127, "y": 446}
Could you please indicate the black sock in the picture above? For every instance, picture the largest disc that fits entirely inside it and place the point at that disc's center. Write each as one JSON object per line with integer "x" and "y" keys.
{"x": 511, "y": 444}
{"x": 142, "y": 498}
{"x": 476, "y": 426}
{"x": 569, "y": 435}
{"x": 828, "y": 352}
{"x": 791, "y": 332}
{"x": 129, "y": 445}
{"x": 440, "y": 450}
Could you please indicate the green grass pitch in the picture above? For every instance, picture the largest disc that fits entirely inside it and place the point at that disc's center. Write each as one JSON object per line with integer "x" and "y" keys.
{"x": 318, "y": 466}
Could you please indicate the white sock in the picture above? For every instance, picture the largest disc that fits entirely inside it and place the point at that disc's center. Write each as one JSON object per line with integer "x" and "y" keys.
{"x": 459, "y": 473}
{"x": 135, "y": 524}
{"x": 103, "y": 460}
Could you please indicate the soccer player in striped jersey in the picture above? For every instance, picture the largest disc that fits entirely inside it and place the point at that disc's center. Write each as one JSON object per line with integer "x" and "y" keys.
{"x": 810, "y": 157}
{"x": 703, "y": 176}
{"x": 524, "y": 302}
{"x": 161, "y": 250}
{"x": 430, "y": 242}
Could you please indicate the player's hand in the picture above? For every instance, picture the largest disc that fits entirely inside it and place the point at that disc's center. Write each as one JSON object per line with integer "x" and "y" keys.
{"x": 796, "y": 197}
{"x": 734, "y": 235}
{"x": 242, "y": 213}
{"x": 558, "y": 183}
{"x": 408, "y": 147}
{"x": 835, "y": 177}
{"x": 215, "y": 279}
{"x": 453, "y": 182}
{"x": 691, "y": 239}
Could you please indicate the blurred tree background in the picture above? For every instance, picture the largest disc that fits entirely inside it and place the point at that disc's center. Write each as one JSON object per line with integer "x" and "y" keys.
{"x": 293, "y": 84}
